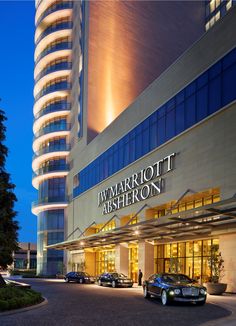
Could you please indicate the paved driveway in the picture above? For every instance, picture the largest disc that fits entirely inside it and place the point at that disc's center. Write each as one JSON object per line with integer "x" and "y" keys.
{"x": 91, "y": 305}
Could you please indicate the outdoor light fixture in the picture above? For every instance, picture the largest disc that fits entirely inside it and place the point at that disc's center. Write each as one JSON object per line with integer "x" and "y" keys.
{"x": 136, "y": 232}
{"x": 81, "y": 243}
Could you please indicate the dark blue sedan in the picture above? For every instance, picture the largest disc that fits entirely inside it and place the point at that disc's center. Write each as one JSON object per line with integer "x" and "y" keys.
{"x": 174, "y": 288}
{"x": 79, "y": 277}
{"x": 115, "y": 280}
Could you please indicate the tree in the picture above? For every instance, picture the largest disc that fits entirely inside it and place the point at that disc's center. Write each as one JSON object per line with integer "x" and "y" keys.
{"x": 8, "y": 225}
{"x": 216, "y": 263}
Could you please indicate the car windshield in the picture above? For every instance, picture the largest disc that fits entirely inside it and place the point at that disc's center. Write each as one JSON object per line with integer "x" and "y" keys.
{"x": 118, "y": 275}
{"x": 176, "y": 278}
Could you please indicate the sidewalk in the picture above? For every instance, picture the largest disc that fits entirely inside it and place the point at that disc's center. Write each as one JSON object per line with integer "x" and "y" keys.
{"x": 227, "y": 301}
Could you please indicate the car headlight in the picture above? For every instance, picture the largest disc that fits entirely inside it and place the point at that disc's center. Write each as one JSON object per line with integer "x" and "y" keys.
{"x": 202, "y": 291}
{"x": 177, "y": 291}
{"x": 120, "y": 281}
{"x": 86, "y": 278}
{"x": 171, "y": 292}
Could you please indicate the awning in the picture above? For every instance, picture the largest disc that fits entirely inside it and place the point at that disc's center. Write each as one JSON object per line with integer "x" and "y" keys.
{"x": 203, "y": 221}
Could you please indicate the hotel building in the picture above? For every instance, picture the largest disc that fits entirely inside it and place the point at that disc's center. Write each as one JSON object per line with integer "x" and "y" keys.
{"x": 135, "y": 136}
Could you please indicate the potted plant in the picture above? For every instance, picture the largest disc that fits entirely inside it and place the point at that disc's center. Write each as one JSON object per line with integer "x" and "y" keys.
{"x": 216, "y": 263}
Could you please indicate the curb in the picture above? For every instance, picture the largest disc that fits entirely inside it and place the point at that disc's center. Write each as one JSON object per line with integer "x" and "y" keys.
{"x": 16, "y": 311}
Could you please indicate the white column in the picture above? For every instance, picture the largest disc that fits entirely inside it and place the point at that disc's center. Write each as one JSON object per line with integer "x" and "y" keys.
{"x": 146, "y": 258}
{"x": 122, "y": 258}
{"x": 227, "y": 246}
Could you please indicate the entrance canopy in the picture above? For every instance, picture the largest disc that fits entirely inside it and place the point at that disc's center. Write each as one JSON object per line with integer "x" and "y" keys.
{"x": 203, "y": 221}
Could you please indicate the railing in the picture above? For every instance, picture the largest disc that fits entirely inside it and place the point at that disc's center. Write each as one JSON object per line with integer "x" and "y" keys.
{"x": 39, "y": 2}
{"x": 54, "y": 28}
{"x": 55, "y": 107}
{"x": 54, "y": 127}
{"x": 54, "y": 7}
{"x": 51, "y": 168}
{"x": 64, "y": 85}
{"x": 58, "y": 106}
{"x": 65, "y": 65}
{"x": 52, "y": 149}
{"x": 47, "y": 200}
{"x": 54, "y": 48}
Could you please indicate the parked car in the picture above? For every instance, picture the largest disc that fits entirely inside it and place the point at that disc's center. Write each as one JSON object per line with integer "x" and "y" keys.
{"x": 174, "y": 288}
{"x": 79, "y": 277}
{"x": 115, "y": 280}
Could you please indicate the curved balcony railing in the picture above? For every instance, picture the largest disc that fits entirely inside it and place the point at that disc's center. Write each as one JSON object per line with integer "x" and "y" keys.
{"x": 40, "y": 1}
{"x": 54, "y": 48}
{"x": 53, "y": 128}
{"x": 54, "y": 7}
{"x": 64, "y": 85}
{"x": 55, "y": 107}
{"x": 65, "y": 65}
{"x": 51, "y": 169}
{"x": 54, "y": 28}
{"x": 50, "y": 200}
{"x": 51, "y": 149}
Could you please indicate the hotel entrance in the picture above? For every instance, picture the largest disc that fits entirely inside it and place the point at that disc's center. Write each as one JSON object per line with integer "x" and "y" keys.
{"x": 105, "y": 261}
{"x": 190, "y": 258}
{"x": 133, "y": 262}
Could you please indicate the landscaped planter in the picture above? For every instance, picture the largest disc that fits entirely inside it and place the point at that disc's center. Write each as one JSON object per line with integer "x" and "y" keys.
{"x": 215, "y": 288}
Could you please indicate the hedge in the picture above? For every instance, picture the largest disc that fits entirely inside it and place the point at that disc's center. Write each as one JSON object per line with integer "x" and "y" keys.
{"x": 13, "y": 297}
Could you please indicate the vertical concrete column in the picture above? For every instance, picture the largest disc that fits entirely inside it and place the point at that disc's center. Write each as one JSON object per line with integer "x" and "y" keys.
{"x": 227, "y": 246}
{"x": 122, "y": 258}
{"x": 146, "y": 258}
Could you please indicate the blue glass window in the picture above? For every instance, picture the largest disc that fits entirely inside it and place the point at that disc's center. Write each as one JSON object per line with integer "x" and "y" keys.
{"x": 202, "y": 97}
{"x": 212, "y": 90}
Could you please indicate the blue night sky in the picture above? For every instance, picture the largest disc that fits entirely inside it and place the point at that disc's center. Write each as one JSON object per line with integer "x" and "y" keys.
{"x": 16, "y": 92}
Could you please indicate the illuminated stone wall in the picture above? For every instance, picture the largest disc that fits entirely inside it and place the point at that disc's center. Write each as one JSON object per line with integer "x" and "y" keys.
{"x": 130, "y": 44}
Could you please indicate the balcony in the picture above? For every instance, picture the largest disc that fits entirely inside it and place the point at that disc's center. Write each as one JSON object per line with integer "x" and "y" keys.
{"x": 57, "y": 67}
{"x": 54, "y": 48}
{"x": 54, "y": 28}
{"x": 49, "y": 171}
{"x": 52, "y": 148}
{"x": 55, "y": 107}
{"x": 63, "y": 85}
{"x": 53, "y": 128}
{"x": 49, "y": 203}
{"x": 55, "y": 7}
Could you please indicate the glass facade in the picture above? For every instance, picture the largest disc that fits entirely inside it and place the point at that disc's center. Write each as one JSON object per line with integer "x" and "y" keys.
{"x": 211, "y": 91}
{"x": 105, "y": 261}
{"x": 191, "y": 258}
{"x": 52, "y": 190}
{"x": 50, "y": 231}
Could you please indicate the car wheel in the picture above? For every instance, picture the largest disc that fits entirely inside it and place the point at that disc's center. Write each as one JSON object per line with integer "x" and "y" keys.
{"x": 113, "y": 284}
{"x": 146, "y": 293}
{"x": 67, "y": 280}
{"x": 99, "y": 283}
{"x": 164, "y": 298}
{"x": 81, "y": 281}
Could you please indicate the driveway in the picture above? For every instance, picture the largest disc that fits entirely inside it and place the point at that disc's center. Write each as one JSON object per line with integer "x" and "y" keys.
{"x": 90, "y": 305}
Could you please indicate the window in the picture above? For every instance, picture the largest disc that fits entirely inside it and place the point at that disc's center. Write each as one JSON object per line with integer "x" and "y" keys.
{"x": 213, "y": 89}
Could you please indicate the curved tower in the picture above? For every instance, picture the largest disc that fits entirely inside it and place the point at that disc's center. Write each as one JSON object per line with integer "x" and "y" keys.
{"x": 51, "y": 143}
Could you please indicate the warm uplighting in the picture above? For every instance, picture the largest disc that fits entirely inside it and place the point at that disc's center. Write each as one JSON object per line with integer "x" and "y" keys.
{"x": 136, "y": 232}
{"x": 81, "y": 243}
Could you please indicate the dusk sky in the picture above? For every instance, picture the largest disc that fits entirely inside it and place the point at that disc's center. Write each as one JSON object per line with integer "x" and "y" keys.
{"x": 16, "y": 93}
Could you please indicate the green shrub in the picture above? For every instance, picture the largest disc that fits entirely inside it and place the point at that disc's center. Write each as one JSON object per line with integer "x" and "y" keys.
{"x": 12, "y": 297}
